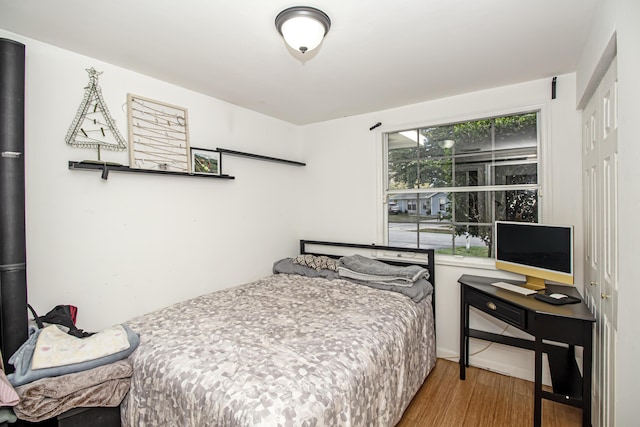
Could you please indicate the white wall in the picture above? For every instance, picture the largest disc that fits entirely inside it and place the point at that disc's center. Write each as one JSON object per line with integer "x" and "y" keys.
{"x": 620, "y": 18}
{"x": 135, "y": 242}
{"x": 343, "y": 197}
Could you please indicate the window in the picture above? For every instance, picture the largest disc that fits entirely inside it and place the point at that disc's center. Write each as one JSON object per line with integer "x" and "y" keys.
{"x": 463, "y": 176}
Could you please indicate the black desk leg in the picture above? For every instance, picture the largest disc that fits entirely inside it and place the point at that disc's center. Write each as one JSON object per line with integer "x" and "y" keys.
{"x": 587, "y": 360}
{"x": 537, "y": 398}
{"x": 466, "y": 335}
{"x": 464, "y": 327}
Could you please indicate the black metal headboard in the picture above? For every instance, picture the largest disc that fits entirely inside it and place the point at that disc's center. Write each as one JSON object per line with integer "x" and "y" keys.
{"x": 423, "y": 257}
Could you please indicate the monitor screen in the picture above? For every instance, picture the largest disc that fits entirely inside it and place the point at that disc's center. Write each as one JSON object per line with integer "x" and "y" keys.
{"x": 539, "y": 251}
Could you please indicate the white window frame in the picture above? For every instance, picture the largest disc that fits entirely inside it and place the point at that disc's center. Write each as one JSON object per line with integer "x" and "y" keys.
{"x": 544, "y": 178}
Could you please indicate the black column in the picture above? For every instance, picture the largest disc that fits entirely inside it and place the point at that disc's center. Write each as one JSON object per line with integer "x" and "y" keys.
{"x": 13, "y": 256}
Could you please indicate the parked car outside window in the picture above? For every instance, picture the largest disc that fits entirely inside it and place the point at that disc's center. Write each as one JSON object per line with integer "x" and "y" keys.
{"x": 394, "y": 209}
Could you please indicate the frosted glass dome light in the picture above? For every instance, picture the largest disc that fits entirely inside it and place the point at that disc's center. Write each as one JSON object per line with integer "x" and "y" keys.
{"x": 446, "y": 143}
{"x": 302, "y": 27}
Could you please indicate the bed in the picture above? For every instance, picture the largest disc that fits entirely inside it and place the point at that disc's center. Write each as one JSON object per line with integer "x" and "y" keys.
{"x": 286, "y": 350}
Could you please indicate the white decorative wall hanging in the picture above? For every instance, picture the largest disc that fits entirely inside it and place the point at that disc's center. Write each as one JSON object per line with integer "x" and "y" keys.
{"x": 93, "y": 126}
{"x": 158, "y": 135}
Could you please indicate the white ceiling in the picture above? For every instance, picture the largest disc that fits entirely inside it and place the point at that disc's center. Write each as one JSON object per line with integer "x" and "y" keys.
{"x": 378, "y": 54}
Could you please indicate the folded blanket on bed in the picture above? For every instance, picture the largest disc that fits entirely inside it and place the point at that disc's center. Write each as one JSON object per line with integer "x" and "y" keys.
{"x": 417, "y": 291}
{"x": 22, "y": 360}
{"x": 48, "y": 397}
{"x": 421, "y": 289}
{"x": 362, "y": 277}
{"x": 370, "y": 270}
{"x": 366, "y": 265}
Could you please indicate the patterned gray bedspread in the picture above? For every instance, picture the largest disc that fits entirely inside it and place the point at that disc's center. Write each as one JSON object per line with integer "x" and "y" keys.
{"x": 286, "y": 350}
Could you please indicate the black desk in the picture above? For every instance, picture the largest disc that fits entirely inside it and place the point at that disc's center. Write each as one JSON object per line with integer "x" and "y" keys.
{"x": 571, "y": 324}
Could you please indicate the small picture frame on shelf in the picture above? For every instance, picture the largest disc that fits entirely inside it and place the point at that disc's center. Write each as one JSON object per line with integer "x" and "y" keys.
{"x": 205, "y": 162}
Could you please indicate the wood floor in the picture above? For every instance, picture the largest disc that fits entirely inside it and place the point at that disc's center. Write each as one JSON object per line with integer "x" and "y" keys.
{"x": 484, "y": 399}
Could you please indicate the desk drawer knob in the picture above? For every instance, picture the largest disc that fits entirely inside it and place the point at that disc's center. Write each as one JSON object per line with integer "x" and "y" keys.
{"x": 593, "y": 283}
{"x": 491, "y": 306}
{"x": 605, "y": 296}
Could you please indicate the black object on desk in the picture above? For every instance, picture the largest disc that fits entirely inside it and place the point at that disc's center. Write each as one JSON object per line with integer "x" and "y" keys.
{"x": 568, "y": 299}
{"x": 571, "y": 324}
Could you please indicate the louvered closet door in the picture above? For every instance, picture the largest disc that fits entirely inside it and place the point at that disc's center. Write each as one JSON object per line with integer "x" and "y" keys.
{"x": 600, "y": 172}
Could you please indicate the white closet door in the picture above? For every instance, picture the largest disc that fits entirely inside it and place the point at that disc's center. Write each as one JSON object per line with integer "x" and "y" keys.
{"x": 592, "y": 233}
{"x": 600, "y": 174}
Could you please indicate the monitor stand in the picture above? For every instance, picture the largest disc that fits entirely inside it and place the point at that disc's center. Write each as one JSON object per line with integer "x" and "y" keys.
{"x": 534, "y": 283}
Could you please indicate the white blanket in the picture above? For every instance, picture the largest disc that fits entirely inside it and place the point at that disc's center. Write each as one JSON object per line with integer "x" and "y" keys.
{"x": 57, "y": 348}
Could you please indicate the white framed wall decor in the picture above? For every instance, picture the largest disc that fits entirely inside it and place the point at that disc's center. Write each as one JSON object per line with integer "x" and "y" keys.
{"x": 158, "y": 135}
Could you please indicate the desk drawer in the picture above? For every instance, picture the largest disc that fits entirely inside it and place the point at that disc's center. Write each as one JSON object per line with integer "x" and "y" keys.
{"x": 499, "y": 309}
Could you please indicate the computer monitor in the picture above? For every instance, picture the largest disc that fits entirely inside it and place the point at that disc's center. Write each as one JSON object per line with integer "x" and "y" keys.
{"x": 538, "y": 251}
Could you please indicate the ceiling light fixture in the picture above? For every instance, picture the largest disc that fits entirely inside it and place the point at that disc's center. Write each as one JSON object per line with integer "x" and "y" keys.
{"x": 302, "y": 27}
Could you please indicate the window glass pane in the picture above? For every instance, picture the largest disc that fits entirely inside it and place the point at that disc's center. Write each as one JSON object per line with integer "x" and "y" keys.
{"x": 436, "y": 172}
{"x": 470, "y": 240}
{"x": 473, "y": 207}
{"x": 473, "y": 137}
{"x": 401, "y": 147}
{"x": 443, "y": 236}
{"x": 421, "y": 220}
{"x": 516, "y": 173}
{"x": 485, "y": 154}
{"x": 471, "y": 174}
{"x": 403, "y": 220}
{"x": 476, "y": 146}
{"x": 516, "y": 131}
{"x": 438, "y": 235}
{"x": 403, "y": 175}
{"x": 425, "y": 220}
{"x": 436, "y": 141}
{"x": 516, "y": 205}
{"x": 402, "y": 156}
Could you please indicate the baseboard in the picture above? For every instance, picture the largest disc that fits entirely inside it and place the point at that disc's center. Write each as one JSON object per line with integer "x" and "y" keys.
{"x": 492, "y": 365}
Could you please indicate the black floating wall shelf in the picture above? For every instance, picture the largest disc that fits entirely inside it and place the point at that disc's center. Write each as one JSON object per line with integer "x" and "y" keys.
{"x": 109, "y": 167}
{"x": 258, "y": 157}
